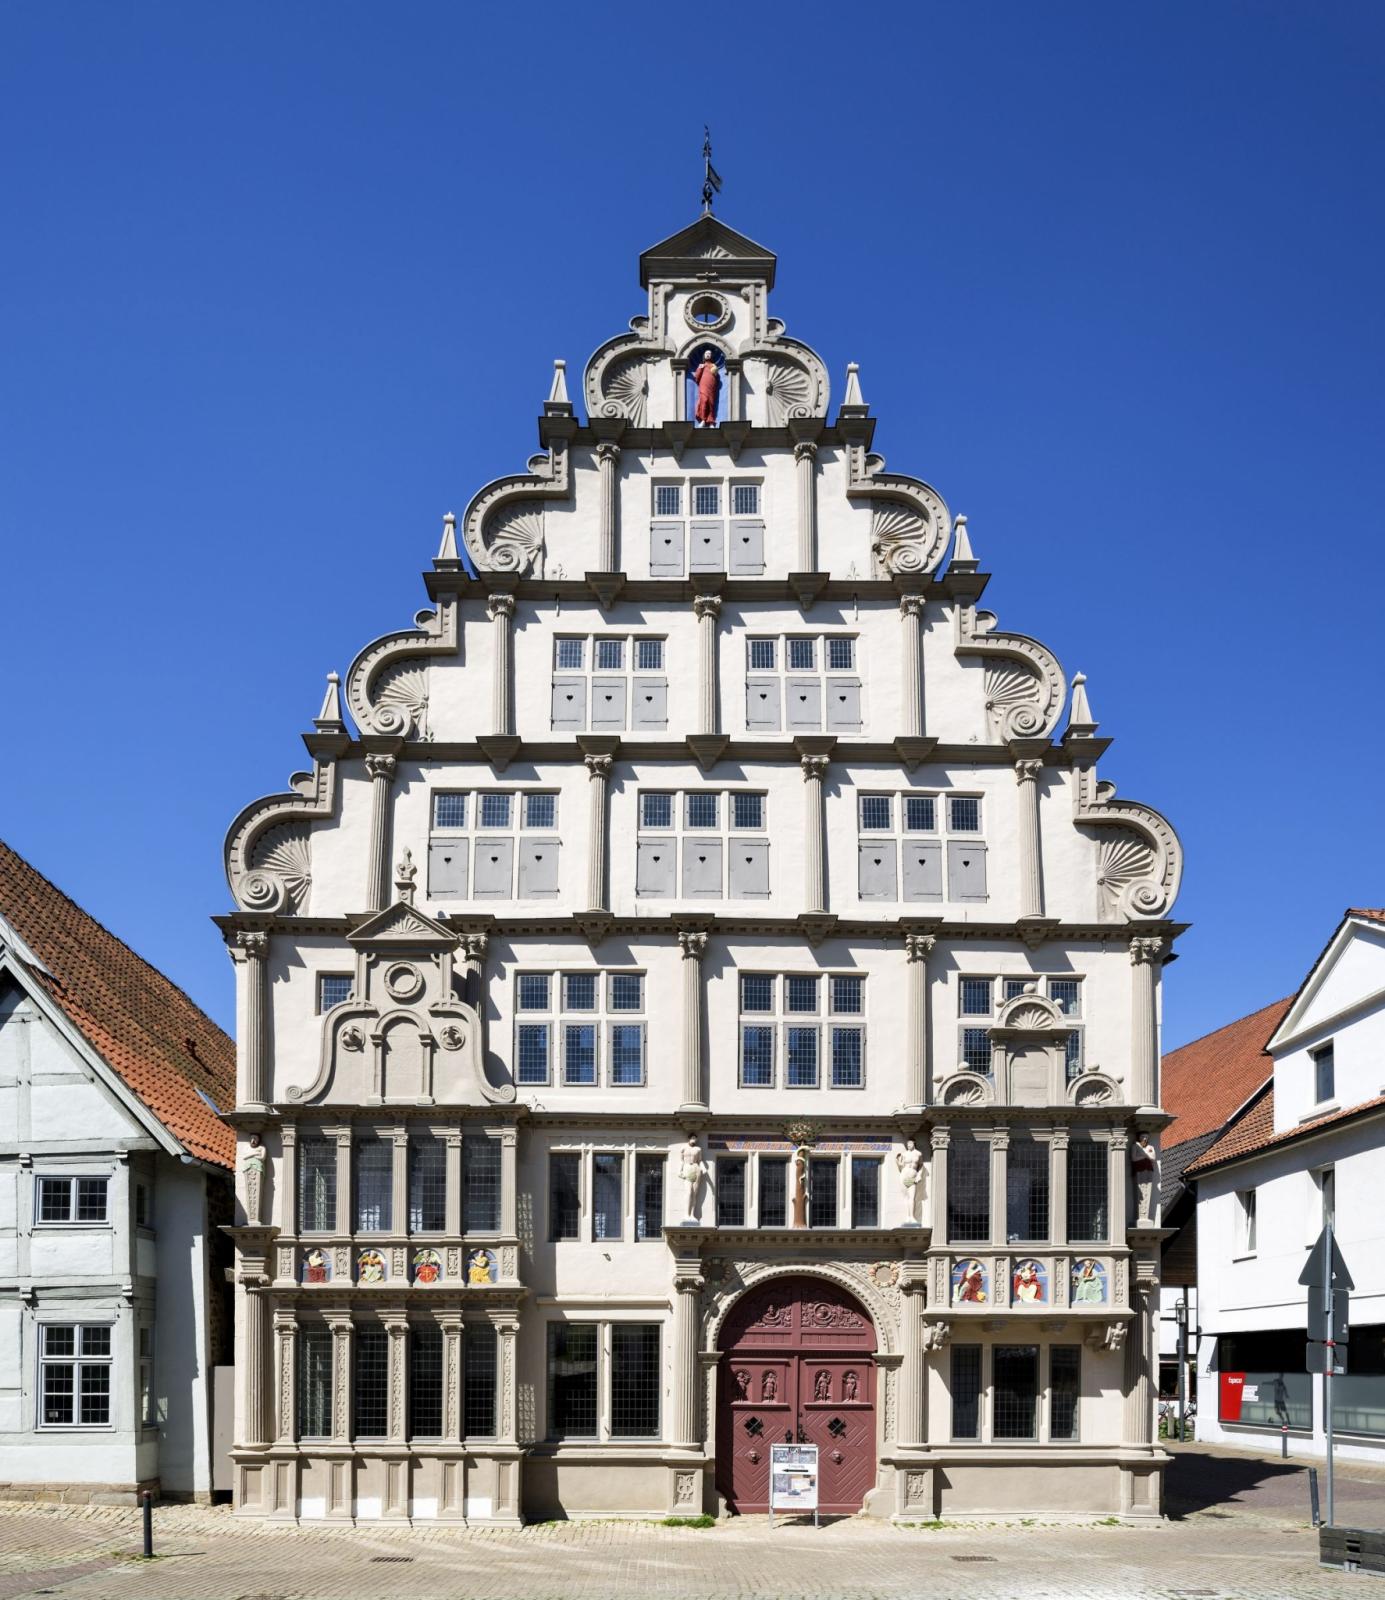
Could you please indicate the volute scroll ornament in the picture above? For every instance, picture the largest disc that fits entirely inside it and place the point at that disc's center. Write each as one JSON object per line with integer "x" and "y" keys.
{"x": 387, "y": 685}
{"x": 268, "y": 855}
{"x": 1025, "y": 688}
{"x": 503, "y": 528}
{"x": 1140, "y": 859}
{"x": 909, "y": 527}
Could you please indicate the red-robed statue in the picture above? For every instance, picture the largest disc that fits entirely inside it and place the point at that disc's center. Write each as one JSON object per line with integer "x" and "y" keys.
{"x": 708, "y": 381}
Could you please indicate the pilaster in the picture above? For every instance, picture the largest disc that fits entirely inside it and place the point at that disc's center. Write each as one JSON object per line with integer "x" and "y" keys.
{"x": 1031, "y": 881}
{"x": 707, "y": 608}
{"x": 911, "y": 609}
{"x": 917, "y": 949}
{"x": 814, "y": 876}
{"x": 1000, "y": 1147}
{"x": 1058, "y": 1187}
{"x": 686, "y": 1428}
{"x": 607, "y": 462}
{"x": 940, "y": 1139}
{"x": 500, "y": 607}
{"x": 250, "y": 953}
{"x": 693, "y": 944}
{"x": 599, "y": 774}
{"x": 380, "y": 767}
{"x": 805, "y": 454}
{"x": 1146, "y": 956}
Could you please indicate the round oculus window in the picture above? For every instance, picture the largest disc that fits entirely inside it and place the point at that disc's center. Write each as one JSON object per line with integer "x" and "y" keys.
{"x": 707, "y": 312}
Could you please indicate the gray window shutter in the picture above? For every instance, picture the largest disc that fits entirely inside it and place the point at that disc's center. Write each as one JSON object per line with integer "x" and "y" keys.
{"x": 495, "y": 860}
{"x": 805, "y": 702}
{"x": 843, "y": 703}
{"x": 762, "y": 705}
{"x": 923, "y": 869}
{"x": 665, "y": 549}
{"x": 702, "y": 876}
{"x": 608, "y": 703}
{"x": 654, "y": 868}
{"x": 447, "y": 862}
{"x": 708, "y": 547}
{"x": 747, "y": 545}
{"x": 570, "y": 703}
{"x": 651, "y": 703}
{"x": 538, "y": 868}
{"x": 966, "y": 869}
{"x": 749, "y": 868}
{"x": 877, "y": 870}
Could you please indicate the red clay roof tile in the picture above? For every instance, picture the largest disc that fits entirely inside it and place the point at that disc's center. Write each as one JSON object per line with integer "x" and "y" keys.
{"x": 164, "y": 1047}
{"x": 1207, "y": 1081}
{"x": 1255, "y": 1130}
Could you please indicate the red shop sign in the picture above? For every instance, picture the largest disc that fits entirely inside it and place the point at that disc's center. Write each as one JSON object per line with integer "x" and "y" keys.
{"x": 1232, "y": 1387}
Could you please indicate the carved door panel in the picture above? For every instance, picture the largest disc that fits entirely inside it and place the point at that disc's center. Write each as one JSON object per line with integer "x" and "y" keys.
{"x": 798, "y": 1365}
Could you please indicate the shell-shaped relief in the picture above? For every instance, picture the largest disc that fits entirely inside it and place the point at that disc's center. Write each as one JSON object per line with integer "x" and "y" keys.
{"x": 514, "y": 539}
{"x": 1092, "y": 1092}
{"x": 789, "y": 392}
{"x": 898, "y": 539}
{"x": 400, "y": 697}
{"x": 1124, "y": 860}
{"x": 281, "y": 871}
{"x": 965, "y": 1089}
{"x": 1014, "y": 701}
{"x": 625, "y": 390}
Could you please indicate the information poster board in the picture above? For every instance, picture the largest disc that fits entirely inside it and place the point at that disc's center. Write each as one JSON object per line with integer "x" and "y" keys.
{"x": 793, "y": 1479}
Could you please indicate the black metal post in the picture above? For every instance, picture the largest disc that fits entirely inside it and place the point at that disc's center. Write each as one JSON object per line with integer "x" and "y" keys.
{"x": 1284, "y": 1441}
{"x": 148, "y": 1499}
{"x": 1313, "y": 1496}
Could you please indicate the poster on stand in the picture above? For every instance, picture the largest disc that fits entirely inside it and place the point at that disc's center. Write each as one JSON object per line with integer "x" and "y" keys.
{"x": 793, "y": 1478}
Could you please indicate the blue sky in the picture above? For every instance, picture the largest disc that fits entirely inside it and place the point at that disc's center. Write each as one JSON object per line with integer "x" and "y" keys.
{"x": 282, "y": 284}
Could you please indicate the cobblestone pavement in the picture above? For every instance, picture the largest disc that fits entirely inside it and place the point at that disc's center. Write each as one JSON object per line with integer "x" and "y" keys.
{"x": 1238, "y": 1530}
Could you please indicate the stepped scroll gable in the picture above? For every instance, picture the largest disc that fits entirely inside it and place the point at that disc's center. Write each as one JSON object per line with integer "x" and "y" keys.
{"x": 701, "y": 994}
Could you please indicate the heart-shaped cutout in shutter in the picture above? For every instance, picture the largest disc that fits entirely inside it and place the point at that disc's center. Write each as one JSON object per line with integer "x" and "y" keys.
{"x": 877, "y": 861}
{"x": 703, "y": 859}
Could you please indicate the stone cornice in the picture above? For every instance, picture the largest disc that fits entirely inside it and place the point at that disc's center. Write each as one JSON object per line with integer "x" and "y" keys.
{"x": 602, "y": 588}
{"x": 574, "y": 925}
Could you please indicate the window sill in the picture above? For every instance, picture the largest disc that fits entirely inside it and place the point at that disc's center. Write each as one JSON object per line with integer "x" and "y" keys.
{"x": 1246, "y": 1255}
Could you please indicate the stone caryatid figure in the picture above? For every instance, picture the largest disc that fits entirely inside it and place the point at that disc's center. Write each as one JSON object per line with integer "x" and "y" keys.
{"x": 909, "y": 1160}
{"x": 691, "y": 1171}
{"x": 707, "y": 377}
{"x": 252, "y": 1167}
{"x": 1144, "y": 1169}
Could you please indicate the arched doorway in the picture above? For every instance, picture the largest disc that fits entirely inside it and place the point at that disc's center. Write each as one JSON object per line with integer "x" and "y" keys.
{"x": 797, "y": 1364}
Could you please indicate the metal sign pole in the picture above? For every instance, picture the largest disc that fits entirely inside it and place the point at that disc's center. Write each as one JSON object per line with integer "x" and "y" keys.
{"x": 1331, "y": 1352}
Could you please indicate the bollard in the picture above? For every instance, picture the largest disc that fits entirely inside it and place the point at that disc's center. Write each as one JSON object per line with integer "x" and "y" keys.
{"x": 148, "y": 1499}
{"x": 1284, "y": 1441}
{"x": 1313, "y": 1496}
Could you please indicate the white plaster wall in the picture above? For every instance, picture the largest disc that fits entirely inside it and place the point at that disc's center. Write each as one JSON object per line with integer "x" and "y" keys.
{"x": 1349, "y": 1011}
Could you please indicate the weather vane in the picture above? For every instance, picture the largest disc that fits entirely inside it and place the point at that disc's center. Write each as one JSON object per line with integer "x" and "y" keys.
{"x": 711, "y": 180}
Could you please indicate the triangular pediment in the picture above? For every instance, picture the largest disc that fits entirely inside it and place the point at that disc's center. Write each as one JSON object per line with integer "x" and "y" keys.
{"x": 404, "y": 925}
{"x": 1349, "y": 975}
{"x": 708, "y": 245}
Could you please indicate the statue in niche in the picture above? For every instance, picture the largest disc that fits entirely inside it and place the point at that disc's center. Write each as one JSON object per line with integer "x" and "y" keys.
{"x": 822, "y": 1387}
{"x": 769, "y": 1387}
{"x": 252, "y": 1165}
{"x": 800, "y": 1186}
{"x": 909, "y": 1160}
{"x": 849, "y": 1386}
{"x": 691, "y": 1171}
{"x": 1144, "y": 1166}
{"x": 707, "y": 378}
{"x": 742, "y": 1384}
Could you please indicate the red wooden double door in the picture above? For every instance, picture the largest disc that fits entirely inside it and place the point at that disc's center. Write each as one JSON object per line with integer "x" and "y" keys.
{"x": 797, "y": 1366}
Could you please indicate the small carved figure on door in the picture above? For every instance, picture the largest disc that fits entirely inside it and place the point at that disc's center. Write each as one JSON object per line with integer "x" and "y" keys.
{"x": 742, "y": 1379}
{"x": 850, "y": 1383}
{"x": 769, "y": 1387}
{"x": 822, "y": 1386}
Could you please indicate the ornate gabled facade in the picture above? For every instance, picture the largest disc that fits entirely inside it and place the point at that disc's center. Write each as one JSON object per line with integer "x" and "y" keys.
{"x": 706, "y": 999}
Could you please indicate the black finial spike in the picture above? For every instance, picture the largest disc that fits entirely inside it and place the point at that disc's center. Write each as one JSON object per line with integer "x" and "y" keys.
{"x": 711, "y": 179}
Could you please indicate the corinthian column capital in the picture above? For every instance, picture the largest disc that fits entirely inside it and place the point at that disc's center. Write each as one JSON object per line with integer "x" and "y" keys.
{"x": 707, "y": 605}
{"x": 500, "y": 605}
{"x": 380, "y": 767}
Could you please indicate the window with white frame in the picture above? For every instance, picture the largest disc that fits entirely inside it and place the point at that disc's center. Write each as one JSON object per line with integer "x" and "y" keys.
{"x": 580, "y": 1029}
{"x": 604, "y": 1380}
{"x": 494, "y": 844}
{"x": 78, "y": 1202}
{"x": 802, "y": 682}
{"x": 610, "y": 682}
{"x": 920, "y": 846}
{"x": 605, "y": 1195}
{"x": 1245, "y": 1221}
{"x": 707, "y": 844}
{"x": 707, "y": 524}
{"x": 75, "y": 1375}
{"x": 979, "y": 998}
{"x": 802, "y": 1030}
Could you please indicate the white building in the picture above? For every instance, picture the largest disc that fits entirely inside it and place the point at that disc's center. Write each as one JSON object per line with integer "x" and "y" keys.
{"x": 1308, "y": 1145}
{"x": 703, "y": 806}
{"x": 115, "y": 1181}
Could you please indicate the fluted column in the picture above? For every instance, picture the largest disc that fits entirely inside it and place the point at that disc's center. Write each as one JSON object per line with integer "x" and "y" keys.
{"x": 693, "y": 944}
{"x": 1145, "y": 958}
{"x": 911, "y": 608}
{"x": 937, "y": 1178}
{"x": 381, "y": 771}
{"x": 1139, "y": 1389}
{"x": 501, "y": 610}
{"x": 814, "y": 877}
{"x": 805, "y": 456}
{"x": 917, "y": 949}
{"x": 599, "y": 774}
{"x": 1031, "y": 864}
{"x": 1000, "y": 1146}
{"x": 686, "y": 1420}
{"x": 607, "y": 461}
{"x": 253, "y": 1358}
{"x": 913, "y": 1380}
{"x": 251, "y": 951}
{"x": 707, "y": 608}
